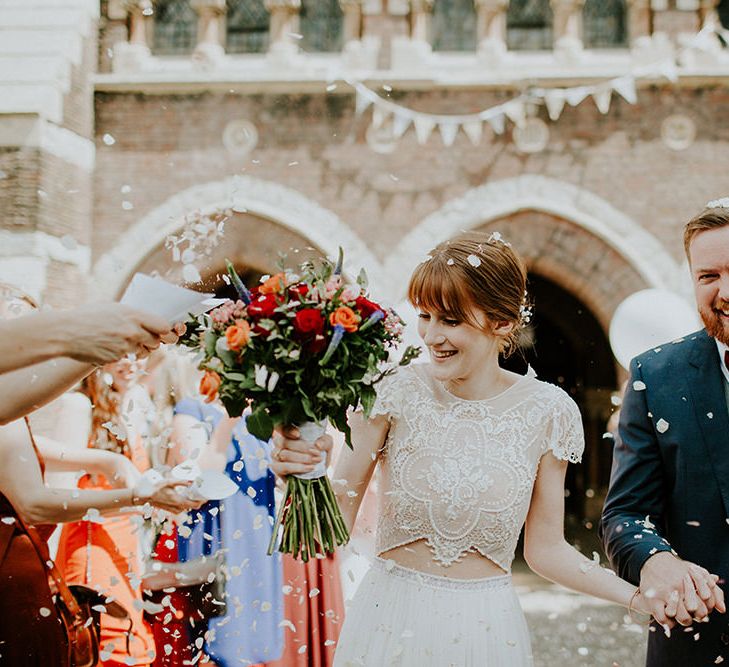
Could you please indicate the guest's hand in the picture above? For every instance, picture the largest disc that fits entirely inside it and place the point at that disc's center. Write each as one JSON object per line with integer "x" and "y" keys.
{"x": 105, "y": 332}
{"x": 292, "y": 455}
{"x": 679, "y": 591}
{"x": 166, "y": 496}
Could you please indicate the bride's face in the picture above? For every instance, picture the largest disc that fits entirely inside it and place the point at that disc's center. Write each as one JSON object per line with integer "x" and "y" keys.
{"x": 457, "y": 349}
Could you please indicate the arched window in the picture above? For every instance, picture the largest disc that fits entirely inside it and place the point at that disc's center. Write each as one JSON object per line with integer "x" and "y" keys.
{"x": 454, "y": 25}
{"x": 175, "y": 27}
{"x": 247, "y": 24}
{"x": 529, "y": 25}
{"x": 321, "y": 25}
{"x": 604, "y": 24}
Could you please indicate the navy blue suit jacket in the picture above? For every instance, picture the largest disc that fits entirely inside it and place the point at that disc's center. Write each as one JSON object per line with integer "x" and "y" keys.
{"x": 670, "y": 481}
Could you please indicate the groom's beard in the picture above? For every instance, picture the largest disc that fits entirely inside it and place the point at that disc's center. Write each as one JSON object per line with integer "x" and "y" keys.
{"x": 716, "y": 325}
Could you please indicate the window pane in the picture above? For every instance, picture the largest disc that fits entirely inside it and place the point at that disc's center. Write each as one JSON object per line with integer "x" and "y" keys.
{"x": 247, "y": 23}
{"x": 529, "y": 25}
{"x": 454, "y": 25}
{"x": 321, "y": 25}
{"x": 175, "y": 27}
{"x": 604, "y": 24}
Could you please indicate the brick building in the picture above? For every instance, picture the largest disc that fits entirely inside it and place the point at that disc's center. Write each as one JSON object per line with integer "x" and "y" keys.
{"x": 120, "y": 120}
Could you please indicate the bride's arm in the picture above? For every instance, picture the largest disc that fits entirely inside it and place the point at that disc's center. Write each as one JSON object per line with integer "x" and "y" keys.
{"x": 547, "y": 552}
{"x": 354, "y": 466}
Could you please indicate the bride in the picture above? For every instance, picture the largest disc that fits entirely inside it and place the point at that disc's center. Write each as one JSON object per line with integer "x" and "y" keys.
{"x": 469, "y": 453}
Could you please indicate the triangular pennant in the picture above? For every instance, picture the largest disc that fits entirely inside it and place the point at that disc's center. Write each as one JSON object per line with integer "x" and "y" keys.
{"x": 554, "y": 101}
{"x": 379, "y": 116}
{"x": 575, "y": 95}
{"x": 625, "y": 87}
{"x": 423, "y": 127}
{"x": 602, "y": 97}
{"x": 400, "y": 124}
{"x": 448, "y": 132}
{"x": 474, "y": 131}
{"x": 515, "y": 111}
{"x": 362, "y": 102}
{"x": 497, "y": 123}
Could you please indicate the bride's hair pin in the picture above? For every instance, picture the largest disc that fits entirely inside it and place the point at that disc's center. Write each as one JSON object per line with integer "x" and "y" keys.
{"x": 718, "y": 203}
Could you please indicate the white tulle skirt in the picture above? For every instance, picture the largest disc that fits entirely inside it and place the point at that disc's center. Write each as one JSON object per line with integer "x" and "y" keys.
{"x": 404, "y": 618}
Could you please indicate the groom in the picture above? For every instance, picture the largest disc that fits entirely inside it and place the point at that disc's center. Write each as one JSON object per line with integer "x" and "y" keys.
{"x": 666, "y": 516}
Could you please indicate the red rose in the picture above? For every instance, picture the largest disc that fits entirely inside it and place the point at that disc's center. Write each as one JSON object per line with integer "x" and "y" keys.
{"x": 262, "y": 306}
{"x": 299, "y": 291}
{"x": 367, "y": 307}
{"x": 309, "y": 321}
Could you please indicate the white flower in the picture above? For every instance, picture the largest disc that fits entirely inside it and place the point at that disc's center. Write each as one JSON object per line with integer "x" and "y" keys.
{"x": 261, "y": 373}
{"x": 272, "y": 380}
{"x": 718, "y": 203}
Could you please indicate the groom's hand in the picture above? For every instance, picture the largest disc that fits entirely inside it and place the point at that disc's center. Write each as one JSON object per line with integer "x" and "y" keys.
{"x": 292, "y": 455}
{"x": 679, "y": 591}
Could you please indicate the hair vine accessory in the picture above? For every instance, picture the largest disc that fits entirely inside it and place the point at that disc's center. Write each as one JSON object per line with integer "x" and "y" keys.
{"x": 525, "y": 310}
{"x": 723, "y": 202}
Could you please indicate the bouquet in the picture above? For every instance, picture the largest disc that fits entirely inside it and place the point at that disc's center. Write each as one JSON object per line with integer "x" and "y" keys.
{"x": 298, "y": 349}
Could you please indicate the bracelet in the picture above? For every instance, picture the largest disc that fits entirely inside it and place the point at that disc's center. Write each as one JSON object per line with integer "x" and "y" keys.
{"x": 636, "y": 592}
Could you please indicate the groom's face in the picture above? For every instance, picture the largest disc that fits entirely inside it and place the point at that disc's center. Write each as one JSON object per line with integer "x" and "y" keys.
{"x": 709, "y": 257}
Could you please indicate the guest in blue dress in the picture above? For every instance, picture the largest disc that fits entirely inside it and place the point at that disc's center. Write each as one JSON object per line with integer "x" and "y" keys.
{"x": 251, "y": 631}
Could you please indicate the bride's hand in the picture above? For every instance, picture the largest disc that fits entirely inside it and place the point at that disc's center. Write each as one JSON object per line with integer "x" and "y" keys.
{"x": 292, "y": 455}
{"x": 641, "y": 605}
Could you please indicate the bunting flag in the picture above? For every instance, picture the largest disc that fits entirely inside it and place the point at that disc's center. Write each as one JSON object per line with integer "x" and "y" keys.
{"x": 603, "y": 97}
{"x": 474, "y": 131}
{"x": 423, "y": 127}
{"x": 554, "y": 99}
{"x": 448, "y": 131}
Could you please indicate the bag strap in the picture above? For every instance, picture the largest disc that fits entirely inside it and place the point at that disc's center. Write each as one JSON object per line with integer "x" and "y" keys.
{"x": 42, "y": 550}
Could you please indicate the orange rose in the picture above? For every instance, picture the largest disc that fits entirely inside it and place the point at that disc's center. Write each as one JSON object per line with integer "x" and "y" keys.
{"x": 209, "y": 386}
{"x": 346, "y": 317}
{"x": 274, "y": 285}
{"x": 237, "y": 335}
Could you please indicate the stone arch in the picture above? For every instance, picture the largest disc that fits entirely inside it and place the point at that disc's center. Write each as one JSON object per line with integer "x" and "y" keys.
{"x": 559, "y": 228}
{"x": 249, "y": 198}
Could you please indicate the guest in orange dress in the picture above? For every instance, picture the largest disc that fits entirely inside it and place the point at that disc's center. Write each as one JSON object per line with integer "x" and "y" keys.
{"x": 106, "y": 556}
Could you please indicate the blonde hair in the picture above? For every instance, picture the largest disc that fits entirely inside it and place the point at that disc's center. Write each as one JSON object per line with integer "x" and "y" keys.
{"x": 473, "y": 270}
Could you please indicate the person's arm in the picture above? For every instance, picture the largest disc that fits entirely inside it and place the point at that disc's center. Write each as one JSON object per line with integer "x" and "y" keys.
{"x": 88, "y": 336}
{"x": 354, "y": 467}
{"x": 94, "y": 334}
{"x": 632, "y": 522}
{"x": 547, "y": 552}
{"x": 168, "y": 575}
{"x": 22, "y": 484}
{"x": 117, "y": 469}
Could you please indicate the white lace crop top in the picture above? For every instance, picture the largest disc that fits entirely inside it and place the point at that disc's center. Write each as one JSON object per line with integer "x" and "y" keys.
{"x": 459, "y": 473}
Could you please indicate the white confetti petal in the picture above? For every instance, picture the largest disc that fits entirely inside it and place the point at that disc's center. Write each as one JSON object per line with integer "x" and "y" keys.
{"x": 44, "y": 612}
{"x": 473, "y": 261}
{"x": 662, "y": 425}
{"x": 190, "y": 274}
{"x": 108, "y": 139}
{"x": 638, "y": 385}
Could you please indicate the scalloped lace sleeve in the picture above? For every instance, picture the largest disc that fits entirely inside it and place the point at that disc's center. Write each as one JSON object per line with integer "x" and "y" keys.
{"x": 566, "y": 439}
{"x": 388, "y": 399}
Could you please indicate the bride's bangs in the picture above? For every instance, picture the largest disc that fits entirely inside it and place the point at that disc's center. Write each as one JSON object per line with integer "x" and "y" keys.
{"x": 440, "y": 288}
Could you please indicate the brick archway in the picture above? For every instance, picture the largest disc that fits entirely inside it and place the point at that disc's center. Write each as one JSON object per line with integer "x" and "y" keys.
{"x": 260, "y": 208}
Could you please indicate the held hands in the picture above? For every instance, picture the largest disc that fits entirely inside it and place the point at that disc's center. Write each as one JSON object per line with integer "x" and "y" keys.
{"x": 102, "y": 333}
{"x": 677, "y": 591}
{"x": 291, "y": 455}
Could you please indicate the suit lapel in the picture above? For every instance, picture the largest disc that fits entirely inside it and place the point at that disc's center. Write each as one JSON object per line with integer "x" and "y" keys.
{"x": 706, "y": 383}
